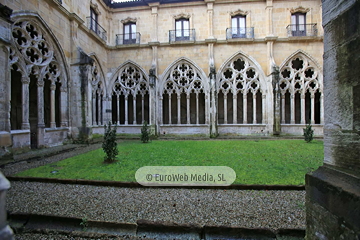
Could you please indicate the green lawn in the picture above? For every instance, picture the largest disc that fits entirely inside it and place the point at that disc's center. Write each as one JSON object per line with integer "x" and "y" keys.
{"x": 255, "y": 162}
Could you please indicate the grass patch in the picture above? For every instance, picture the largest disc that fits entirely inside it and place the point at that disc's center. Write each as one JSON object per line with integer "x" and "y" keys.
{"x": 255, "y": 162}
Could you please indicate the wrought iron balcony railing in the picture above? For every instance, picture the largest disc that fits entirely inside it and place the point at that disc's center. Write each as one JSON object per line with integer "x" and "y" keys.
{"x": 96, "y": 28}
{"x": 129, "y": 38}
{"x": 182, "y": 35}
{"x": 242, "y": 32}
{"x": 301, "y": 30}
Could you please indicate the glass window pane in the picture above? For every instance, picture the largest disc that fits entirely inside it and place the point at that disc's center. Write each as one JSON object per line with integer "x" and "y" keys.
{"x": 126, "y": 31}
{"x": 242, "y": 25}
{"x": 133, "y": 31}
{"x": 186, "y": 24}
{"x": 301, "y": 22}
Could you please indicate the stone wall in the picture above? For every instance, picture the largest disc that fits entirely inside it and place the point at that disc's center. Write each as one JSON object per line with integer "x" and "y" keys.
{"x": 333, "y": 191}
{"x": 209, "y": 51}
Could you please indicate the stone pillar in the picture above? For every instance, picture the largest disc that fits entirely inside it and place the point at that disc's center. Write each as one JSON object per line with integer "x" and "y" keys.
{"x": 333, "y": 190}
{"x": 64, "y": 120}
{"x": 80, "y": 115}
{"x": 52, "y": 105}
{"x": 41, "y": 122}
{"x": 5, "y": 85}
{"x": 5, "y": 231}
{"x": 213, "y": 103}
{"x": 25, "y": 102}
{"x": 277, "y": 100}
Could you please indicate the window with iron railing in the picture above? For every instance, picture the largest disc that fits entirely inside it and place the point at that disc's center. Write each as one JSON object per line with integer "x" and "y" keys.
{"x": 243, "y": 32}
{"x": 128, "y": 38}
{"x": 93, "y": 25}
{"x": 302, "y": 30}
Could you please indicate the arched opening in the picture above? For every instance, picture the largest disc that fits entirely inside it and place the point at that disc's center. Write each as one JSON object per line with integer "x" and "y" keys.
{"x": 130, "y": 97}
{"x": 239, "y": 93}
{"x": 186, "y": 104}
{"x": 33, "y": 110}
{"x": 16, "y": 99}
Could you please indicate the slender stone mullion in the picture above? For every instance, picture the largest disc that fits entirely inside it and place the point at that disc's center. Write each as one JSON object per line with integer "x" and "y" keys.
{"x": 234, "y": 108}
{"x": 126, "y": 110}
{"x": 225, "y": 109}
{"x": 312, "y": 108}
{"x": 322, "y": 108}
{"x": 169, "y": 108}
{"x": 197, "y": 108}
{"x": 25, "y": 102}
{"x": 263, "y": 105}
{"x": 52, "y": 106}
{"x": 134, "y": 109}
{"x": 302, "y": 109}
{"x": 142, "y": 109}
{"x": 178, "y": 109}
{"x": 188, "y": 108}
{"x": 292, "y": 109}
{"x": 283, "y": 108}
{"x": 94, "y": 110}
{"x": 40, "y": 103}
{"x": 254, "y": 108}
{"x": 118, "y": 108}
{"x": 245, "y": 108}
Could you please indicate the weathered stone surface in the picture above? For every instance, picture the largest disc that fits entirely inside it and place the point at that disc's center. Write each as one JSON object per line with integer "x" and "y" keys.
{"x": 333, "y": 191}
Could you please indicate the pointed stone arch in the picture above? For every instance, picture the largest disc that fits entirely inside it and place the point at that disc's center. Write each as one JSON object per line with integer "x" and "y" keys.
{"x": 129, "y": 90}
{"x": 98, "y": 92}
{"x": 39, "y": 58}
{"x": 242, "y": 91}
{"x": 184, "y": 93}
{"x": 301, "y": 88}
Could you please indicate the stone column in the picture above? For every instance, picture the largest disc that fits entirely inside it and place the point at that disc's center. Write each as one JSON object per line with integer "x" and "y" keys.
{"x": 333, "y": 190}
{"x": 254, "y": 108}
{"x": 245, "y": 108}
{"x": 80, "y": 115}
{"x": 302, "y": 106}
{"x": 5, "y": 231}
{"x": 52, "y": 105}
{"x": 234, "y": 108}
{"x": 40, "y": 104}
{"x": 25, "y": 102}
{"x": 225, "y": 109}
{"x": 64, "y": 120}
{"x": 277, "y": 98}
{"x": 188, "y": 108}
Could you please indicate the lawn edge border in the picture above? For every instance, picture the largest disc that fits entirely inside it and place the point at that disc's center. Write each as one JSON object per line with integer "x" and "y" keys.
{"x": 30, "y": 223}
{"x": 137, "y": 185}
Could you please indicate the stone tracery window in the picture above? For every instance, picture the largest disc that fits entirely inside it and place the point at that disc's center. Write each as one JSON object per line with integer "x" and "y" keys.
{"x": 35, "y": 55}
{"x": 301, "y": 92}
{"x": 130, "y": 97}
{"x": 240, "y": 97}
{"x": 97, "y": 96}
{"x": 183, "y": 96}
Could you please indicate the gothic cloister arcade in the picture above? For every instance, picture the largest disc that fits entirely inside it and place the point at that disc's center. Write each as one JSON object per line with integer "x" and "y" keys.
{"x": 37, "y": 83}
{"x": 51, "y": 99}
{"x": 301, "y": 88}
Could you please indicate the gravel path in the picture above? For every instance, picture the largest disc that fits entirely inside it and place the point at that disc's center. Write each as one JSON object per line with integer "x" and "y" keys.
{"x": 253, "y": 209}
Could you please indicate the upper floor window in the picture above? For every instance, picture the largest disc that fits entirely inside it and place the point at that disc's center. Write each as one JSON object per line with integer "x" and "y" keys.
{"x": 238, "y": 26}
{"x": 182, "y": 28}
{"x": 93, "y": 20}
{"x": 130, "y": 33}
{"x": 298, "y": 24}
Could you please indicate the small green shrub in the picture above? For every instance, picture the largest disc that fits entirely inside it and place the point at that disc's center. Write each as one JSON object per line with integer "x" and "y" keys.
{"x": 145, "y": 132}
{"x": 109, "y": 144}
{"x": 84, "y": 223}
{"x": 308, "y": 133}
